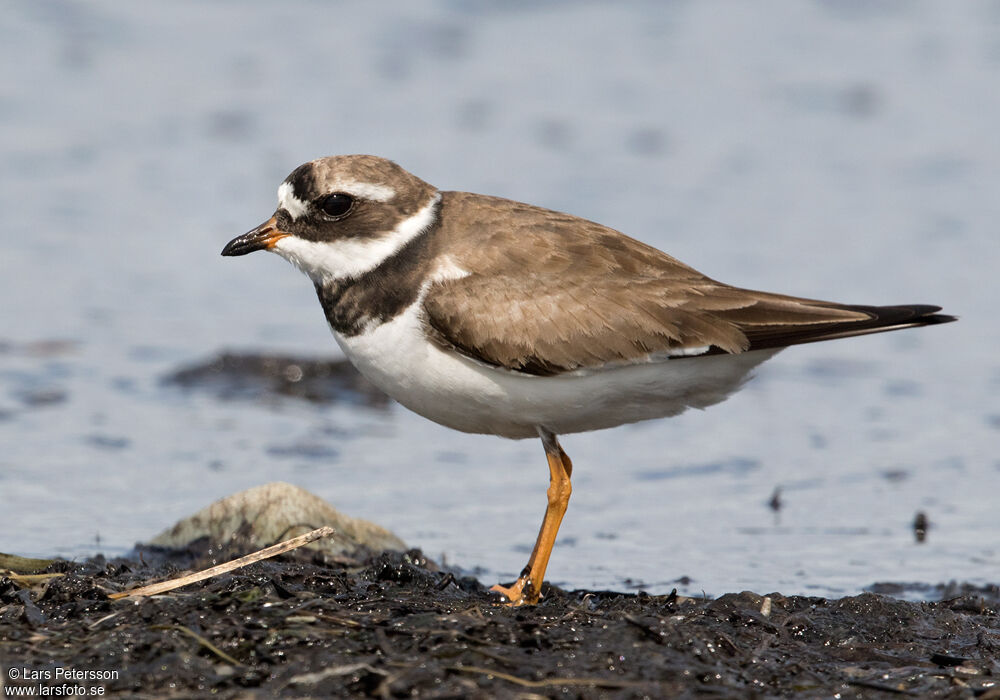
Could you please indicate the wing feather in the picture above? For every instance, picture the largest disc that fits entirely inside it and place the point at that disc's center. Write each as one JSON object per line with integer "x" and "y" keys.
{"x": 548, "y": 293}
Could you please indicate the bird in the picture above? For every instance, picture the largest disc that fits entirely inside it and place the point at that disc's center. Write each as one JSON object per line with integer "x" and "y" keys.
{"x": 492, "y": 316}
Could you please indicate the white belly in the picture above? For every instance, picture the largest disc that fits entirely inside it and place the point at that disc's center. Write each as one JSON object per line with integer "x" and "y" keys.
{"x": 460, "y": 393}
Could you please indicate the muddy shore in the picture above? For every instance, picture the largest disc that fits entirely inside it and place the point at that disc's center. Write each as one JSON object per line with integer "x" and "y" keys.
{"x": 394, "y": 625}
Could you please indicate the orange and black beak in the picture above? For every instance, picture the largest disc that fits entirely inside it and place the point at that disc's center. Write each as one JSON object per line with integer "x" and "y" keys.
{"x": 261, "y": 238}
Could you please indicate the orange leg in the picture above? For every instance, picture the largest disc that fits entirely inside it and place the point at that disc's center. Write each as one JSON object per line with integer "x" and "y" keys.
{"x": 528, "y": 587}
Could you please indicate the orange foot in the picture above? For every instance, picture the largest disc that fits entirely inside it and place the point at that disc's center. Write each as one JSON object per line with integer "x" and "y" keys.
{"x": 527, "y": 590}
{"x": 516, "y": 595}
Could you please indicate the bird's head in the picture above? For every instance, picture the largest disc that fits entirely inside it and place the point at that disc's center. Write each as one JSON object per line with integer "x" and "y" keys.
{"x": 342, "y": 216}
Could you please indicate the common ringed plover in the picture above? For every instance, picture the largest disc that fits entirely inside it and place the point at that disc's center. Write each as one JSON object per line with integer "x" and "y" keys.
{"x": 492, "y": 316}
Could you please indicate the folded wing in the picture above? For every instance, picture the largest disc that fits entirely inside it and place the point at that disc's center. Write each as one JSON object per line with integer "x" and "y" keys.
{"x": 575, "y": 295}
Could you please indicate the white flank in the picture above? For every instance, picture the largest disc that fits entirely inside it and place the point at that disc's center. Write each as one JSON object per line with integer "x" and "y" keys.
{"x": 650, "y": 359}
{"x": 688, "y": 352}
{"x": 325, "y": 261}
{"x": 453, "y": 390}
{"x": 289, "y": 202}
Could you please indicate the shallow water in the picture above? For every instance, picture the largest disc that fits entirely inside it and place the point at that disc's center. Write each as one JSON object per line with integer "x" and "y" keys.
{"x": 833, "y": 150}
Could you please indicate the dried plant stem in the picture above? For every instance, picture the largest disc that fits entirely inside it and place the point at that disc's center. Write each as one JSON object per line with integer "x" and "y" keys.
{"x": 265, "y": 553}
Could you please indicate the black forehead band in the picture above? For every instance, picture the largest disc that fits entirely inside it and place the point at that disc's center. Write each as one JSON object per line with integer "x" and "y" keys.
{"x": 303, "y": 182}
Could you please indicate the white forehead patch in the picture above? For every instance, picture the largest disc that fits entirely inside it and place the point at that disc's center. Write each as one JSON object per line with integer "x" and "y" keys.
{"x": 289, "y": 202}
{"x": 347, "y": 258}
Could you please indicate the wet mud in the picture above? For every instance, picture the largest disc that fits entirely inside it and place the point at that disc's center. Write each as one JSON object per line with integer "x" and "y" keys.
{"x": 386, "y": 625}
{"x": 254, "y": 377}
{"x": 395, "y": 625}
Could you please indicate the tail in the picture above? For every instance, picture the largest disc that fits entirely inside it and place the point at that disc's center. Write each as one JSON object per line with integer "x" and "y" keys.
{"x": 879, "y": 319}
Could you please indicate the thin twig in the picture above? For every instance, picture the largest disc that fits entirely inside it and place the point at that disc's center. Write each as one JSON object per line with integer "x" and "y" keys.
{"x": 338, "y": 620}
{"x": 265, "y": 553}
{"x": 201, "y": 640}
{"x": 103, "y": 619}
{"x": 334, "y": 672}
{"x": 647, "y": 630}
{"x": 28, "y": 579}
{"x": 549, "y": 682}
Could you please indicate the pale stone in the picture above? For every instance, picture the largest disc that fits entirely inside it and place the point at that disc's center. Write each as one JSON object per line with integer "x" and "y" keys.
{"x": 268, "y": 514}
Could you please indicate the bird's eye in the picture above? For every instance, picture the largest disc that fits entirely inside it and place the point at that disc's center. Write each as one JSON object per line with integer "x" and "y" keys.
{"x": 336, "y": 204}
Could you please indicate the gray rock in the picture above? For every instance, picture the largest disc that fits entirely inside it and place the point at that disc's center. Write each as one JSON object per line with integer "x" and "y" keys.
{"x": 271, "y": 513}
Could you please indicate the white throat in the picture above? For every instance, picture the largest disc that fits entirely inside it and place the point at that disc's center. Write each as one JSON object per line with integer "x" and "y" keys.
{"x": 327, "y": 261}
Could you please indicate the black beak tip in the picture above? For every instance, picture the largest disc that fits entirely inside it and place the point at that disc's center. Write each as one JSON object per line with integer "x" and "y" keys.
{"x": 260, "y": 238}
{"x": 232, "y": 249}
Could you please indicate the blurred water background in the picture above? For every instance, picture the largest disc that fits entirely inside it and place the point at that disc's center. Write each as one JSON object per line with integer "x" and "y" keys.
{"x": 833, "y": 149}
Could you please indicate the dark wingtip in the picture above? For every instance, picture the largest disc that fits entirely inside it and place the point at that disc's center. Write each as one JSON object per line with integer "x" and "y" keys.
{"x": 880, "y": 319}
{"x": 938, "y": 318}
{"x": 917, "y": 314}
